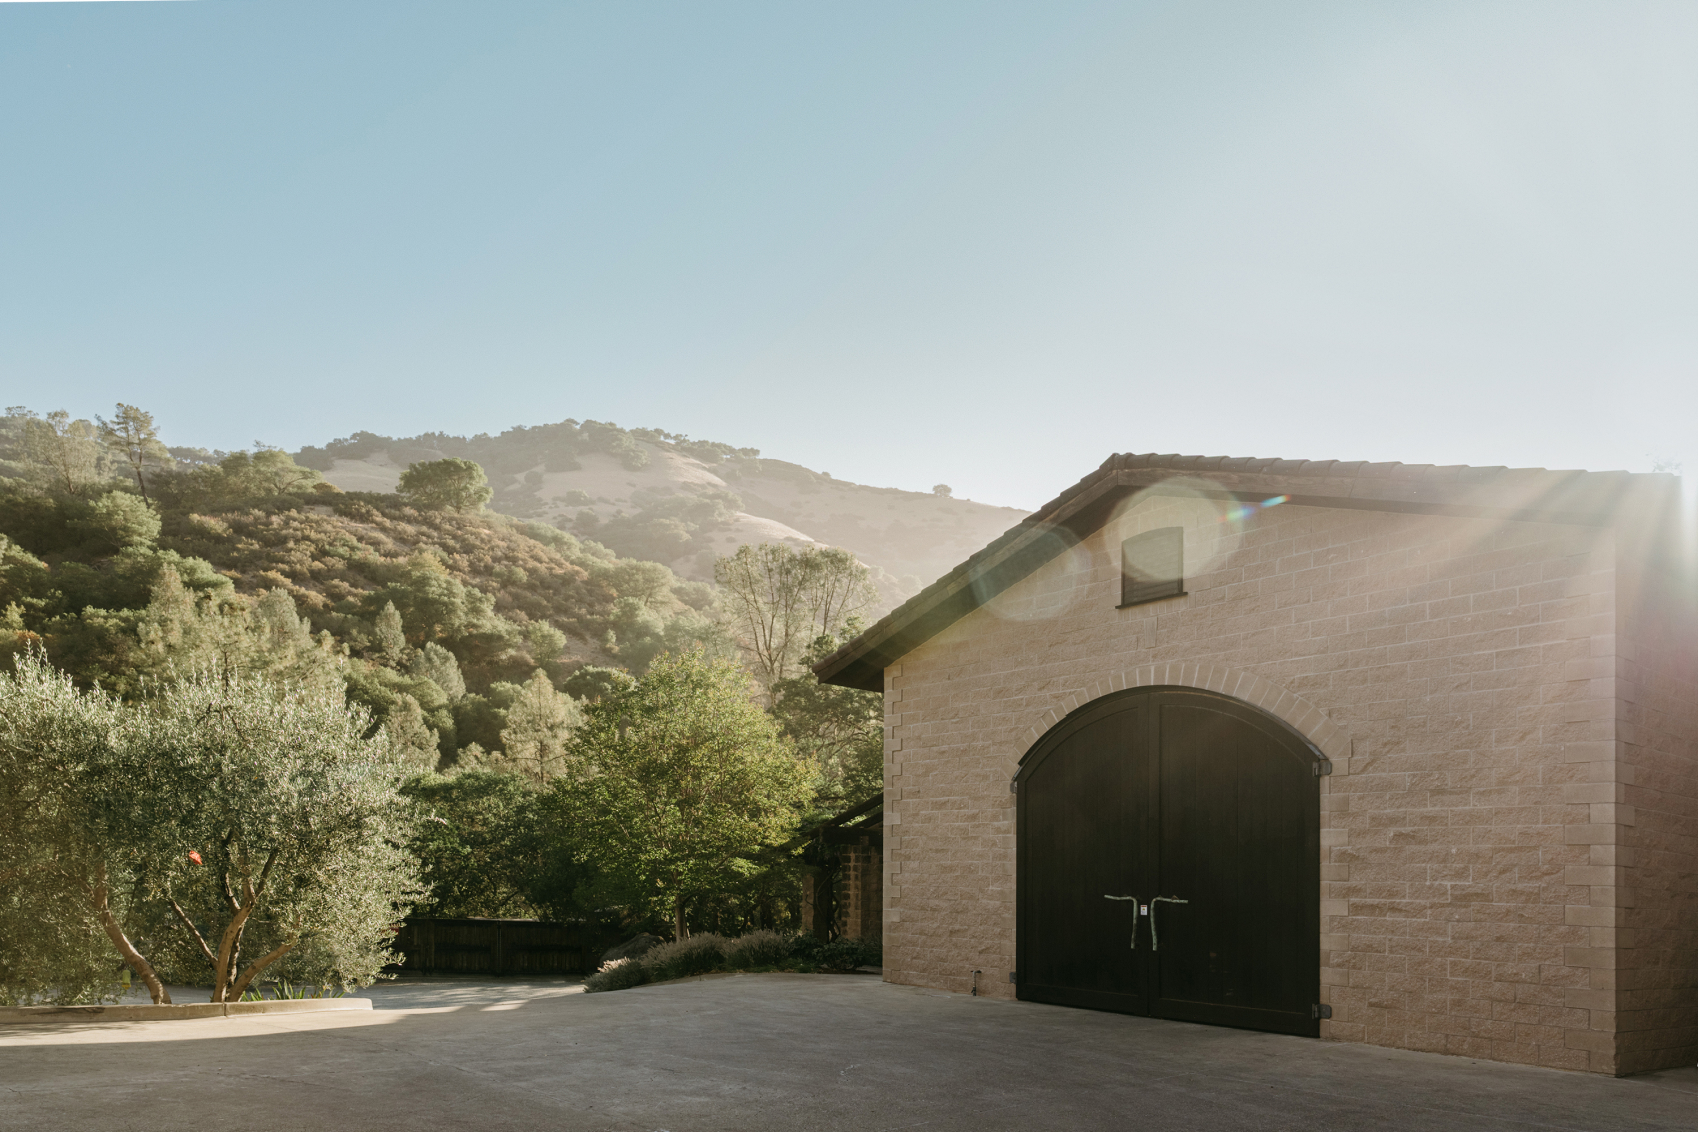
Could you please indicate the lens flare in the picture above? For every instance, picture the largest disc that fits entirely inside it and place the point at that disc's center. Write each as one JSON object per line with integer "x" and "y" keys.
{"x": 1242, "y": 511}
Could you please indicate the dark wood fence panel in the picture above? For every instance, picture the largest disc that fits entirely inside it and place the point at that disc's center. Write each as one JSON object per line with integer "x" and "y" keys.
{"x": 499, "y": 947}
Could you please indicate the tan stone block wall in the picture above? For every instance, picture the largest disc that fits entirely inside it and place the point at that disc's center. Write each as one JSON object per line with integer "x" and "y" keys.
{"x": 1459, "y": 672}
{"x": 1652, "y": 800}
{"x": 860, "y": 906}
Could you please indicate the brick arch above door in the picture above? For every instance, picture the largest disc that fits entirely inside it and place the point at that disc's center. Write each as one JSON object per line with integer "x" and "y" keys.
{"x": 1296, "y": 712}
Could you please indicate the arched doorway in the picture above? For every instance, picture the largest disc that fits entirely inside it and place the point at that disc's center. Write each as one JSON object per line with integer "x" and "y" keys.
{"x": 1168, "y": 861}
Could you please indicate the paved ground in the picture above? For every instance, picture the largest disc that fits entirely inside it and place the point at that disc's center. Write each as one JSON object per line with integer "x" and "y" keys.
{"x": 769, "y": 1052}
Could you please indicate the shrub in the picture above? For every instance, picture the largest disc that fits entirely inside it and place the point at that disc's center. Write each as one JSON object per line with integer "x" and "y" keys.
{"x": 805, "y": 951}
{"x": 618, "y": 974}
{"x": 808, "y": 953}
{"x": 693, "y": 955}
{"x": 757, "y": 949}
{"x": 848, "y": 954}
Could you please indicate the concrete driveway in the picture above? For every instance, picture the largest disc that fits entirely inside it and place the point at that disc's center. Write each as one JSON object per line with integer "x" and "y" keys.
{"x": 757, "y": 1052}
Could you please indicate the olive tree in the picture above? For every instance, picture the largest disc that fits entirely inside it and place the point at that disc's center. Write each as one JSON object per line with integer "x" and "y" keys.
{"x": 62, "y": 915}
{"x": 268, "y": 822}
{"x": 227, "y": 822}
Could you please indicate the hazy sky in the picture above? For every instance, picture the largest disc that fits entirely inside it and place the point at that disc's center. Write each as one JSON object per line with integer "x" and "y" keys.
{"x": 979, "y": 243}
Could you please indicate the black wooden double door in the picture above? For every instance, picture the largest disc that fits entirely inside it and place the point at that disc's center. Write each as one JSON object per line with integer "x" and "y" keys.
{"x": 1169, "y": 863}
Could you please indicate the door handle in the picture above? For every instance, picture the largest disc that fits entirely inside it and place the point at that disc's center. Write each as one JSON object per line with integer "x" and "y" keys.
{"x": 1154, "y": 946}
{"x": 1135, "y": 910}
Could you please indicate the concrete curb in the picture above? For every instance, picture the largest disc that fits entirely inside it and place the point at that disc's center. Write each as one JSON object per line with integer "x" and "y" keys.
{"x": 29, "y": 1015}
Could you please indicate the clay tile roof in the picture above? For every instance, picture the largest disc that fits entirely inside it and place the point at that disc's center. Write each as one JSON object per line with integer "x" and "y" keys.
{"x": 1528, "y": 494}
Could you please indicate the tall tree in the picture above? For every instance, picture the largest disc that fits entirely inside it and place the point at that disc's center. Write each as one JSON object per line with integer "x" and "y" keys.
{"x": 781, "y": 599}
{"x": 673, "y": 784}
{"x": 388, "y": 635}
{"x": 539, "y": 728}
{"x": 839, "y": 588}
{"x": 411, "y": 740}
{"x": 437, "y": 665}
{"x": 131, "y": 433}
{"x": 183, "y": 631}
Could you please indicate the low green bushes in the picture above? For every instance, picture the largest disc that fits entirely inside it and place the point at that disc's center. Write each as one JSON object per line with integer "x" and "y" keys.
{"x": 692, "y": 955}
{"x": 757, "y": 951}
{"x": 619, "y": 974}
{"x": 837, "y": 956}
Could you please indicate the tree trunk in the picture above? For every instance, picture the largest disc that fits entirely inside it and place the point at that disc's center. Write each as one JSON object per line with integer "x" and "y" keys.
{"x": 679, "y": 931}
{"x": 256, "y": 967}
{"x": 226, "y": 954}
{"x": 115, "y": 932}
{"x": 229, "y": 948}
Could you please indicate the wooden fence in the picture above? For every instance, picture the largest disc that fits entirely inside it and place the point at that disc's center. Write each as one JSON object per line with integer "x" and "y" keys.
{"x": 499, "y": 947}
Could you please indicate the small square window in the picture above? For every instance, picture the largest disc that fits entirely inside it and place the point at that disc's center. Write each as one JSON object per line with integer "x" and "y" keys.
{"x": 1152, "y": 566}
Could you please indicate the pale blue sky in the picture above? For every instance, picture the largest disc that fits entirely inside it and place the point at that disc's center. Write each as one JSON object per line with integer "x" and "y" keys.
{"x": 979, "y": 243}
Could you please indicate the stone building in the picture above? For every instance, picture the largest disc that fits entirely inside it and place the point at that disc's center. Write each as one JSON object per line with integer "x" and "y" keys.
{"x": 1395, "y": 754}
{"x": 843, "y": 889}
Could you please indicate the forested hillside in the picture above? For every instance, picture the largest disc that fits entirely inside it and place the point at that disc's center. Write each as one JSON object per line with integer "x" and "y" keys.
{"x": 251, "y": 559}
{"x": 651, "y": 494}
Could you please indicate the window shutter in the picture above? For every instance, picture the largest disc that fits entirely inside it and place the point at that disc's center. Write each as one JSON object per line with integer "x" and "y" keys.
{"x": 1152, "y": 566}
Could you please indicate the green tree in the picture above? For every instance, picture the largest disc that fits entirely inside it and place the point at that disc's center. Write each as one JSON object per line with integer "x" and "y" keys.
{"x": 445, "y": 485}
{"x": 593, "y": 683}
{"x": 388, "y": 635}
{"x": 481, "y": 843}
{"x": 262, "y": 474}
{"x": 115, "y": 521}
{"x": 438, "y": 665}
{"x": 639, "y": 633}
{"x": 672, "y": 785}
{"x": 411, "y": 740}
{"x": 840, "y": 731}
{"x": 131, "y": 433}
{"x": 183, "y": 631}
{"x": 539, "y": 727}
{"x": 434, "y": 604}
{"x": 25, "y": 582}
{"x": 649, "y": 583}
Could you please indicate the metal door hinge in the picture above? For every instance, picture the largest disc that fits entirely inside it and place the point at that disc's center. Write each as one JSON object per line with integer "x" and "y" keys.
{"x": 1011, "y": 977}
{"x": 1324, "y": 766}
{"x": 1014, "y": 786}
{"x": 1322, "y": 1010}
